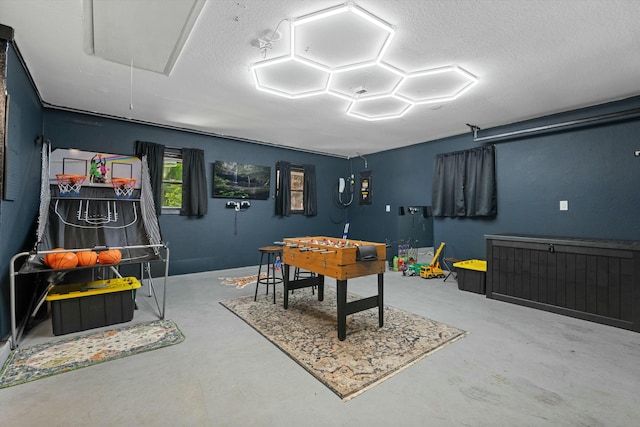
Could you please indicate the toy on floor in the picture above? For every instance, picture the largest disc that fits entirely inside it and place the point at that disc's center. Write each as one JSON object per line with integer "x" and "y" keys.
{"x": 429, "y": 271}
{"x": 408, "y": 267}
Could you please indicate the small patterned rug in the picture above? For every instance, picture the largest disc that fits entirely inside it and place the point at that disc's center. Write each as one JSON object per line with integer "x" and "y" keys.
{"x": 307, "y": 332}
{"x": 240, "y": 282}
{"x": 43, "y": 360}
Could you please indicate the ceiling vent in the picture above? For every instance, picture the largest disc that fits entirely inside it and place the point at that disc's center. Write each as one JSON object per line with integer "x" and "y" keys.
{"x": 145, "y": 34}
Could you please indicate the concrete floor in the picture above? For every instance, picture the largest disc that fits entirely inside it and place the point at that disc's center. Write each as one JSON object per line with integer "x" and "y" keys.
{"x": 517, "y": 367}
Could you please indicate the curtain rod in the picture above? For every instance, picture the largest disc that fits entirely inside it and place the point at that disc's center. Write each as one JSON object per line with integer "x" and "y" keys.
{"x": 475, "y": 129}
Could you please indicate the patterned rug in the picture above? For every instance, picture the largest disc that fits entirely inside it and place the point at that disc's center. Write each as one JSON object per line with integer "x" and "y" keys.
{"x": 307, "y": 332}
{"x": 43, "y": 360}
{"x": 240, "y": 282}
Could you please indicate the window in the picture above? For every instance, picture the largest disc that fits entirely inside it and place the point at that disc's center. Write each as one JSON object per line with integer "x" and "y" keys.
{"x": 297, "y": 190}
{"x": 172, "y": 181}
{"x": 464, "y": 183}
{"x": 295, "y": 186}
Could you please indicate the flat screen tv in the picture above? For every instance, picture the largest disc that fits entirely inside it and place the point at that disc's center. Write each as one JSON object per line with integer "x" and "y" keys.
{"x": 234, "y": 180}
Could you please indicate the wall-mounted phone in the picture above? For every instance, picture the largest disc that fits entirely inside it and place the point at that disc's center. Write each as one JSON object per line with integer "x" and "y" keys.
{"x": 345, "y": 185}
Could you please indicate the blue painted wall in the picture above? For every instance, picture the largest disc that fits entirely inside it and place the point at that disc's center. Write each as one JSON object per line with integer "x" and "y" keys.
{"x": 592, "y": 167}
{"x": 218, "y": 240}
{"x": 18, "y": 216}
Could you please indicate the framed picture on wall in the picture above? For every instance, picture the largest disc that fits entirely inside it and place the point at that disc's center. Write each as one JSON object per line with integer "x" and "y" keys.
{"x": 233, "y": 180}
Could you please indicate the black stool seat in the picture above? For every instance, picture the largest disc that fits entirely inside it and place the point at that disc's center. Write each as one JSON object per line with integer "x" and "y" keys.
{"x": 274, "y": 257}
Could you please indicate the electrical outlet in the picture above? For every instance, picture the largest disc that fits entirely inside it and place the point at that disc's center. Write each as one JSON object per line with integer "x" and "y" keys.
{"x": 564, "y": 205}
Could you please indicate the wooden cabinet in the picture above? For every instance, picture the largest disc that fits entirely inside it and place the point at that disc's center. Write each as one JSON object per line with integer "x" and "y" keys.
{"x": 596, "y": 280}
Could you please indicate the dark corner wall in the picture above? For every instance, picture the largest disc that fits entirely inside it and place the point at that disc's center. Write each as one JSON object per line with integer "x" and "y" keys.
{"x": 23, "y": 159}
{"x": 593, "y": 167}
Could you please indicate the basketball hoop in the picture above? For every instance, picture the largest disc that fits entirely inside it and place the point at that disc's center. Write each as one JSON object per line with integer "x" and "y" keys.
{"x": 123, "y": 187}
{"x": 70, "y": 183}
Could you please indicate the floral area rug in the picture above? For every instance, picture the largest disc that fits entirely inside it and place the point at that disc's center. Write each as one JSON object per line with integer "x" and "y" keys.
{"x": 43, "y": 360}
{"x": 307, "y": 332}
{"x": 240, "y": 282}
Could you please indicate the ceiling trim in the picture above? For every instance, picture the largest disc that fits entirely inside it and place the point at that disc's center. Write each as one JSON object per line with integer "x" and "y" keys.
{"x": 193, "y": 131}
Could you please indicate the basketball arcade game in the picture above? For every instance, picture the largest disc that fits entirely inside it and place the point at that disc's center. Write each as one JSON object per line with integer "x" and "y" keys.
{"x": 92, "y": 202}
{"x": 341, "y": 259}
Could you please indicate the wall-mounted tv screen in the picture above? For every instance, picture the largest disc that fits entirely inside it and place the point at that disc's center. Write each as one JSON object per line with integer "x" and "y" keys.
{"x": 234, "y": 180}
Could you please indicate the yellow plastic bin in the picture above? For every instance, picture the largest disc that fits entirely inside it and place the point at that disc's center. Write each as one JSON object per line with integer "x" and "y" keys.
{"x": 472, "y": 275}
{"x": 81, "y": 306}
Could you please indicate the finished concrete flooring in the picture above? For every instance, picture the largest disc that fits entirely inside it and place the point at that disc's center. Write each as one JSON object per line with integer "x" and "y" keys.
{"x": 517, "y": 367}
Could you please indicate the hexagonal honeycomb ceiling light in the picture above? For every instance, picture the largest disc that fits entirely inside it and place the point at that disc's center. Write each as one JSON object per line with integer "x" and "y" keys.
{"x": 323, "y": 61}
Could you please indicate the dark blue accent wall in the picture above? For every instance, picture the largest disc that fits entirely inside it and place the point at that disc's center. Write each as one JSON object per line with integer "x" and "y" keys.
{"x": 592, "y": 167}
{"x": 18, "y": 216}
{"x": 223, "y": 238}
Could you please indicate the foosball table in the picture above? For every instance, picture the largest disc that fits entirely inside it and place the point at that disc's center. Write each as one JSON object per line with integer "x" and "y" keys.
{"x": 341, "y": 259}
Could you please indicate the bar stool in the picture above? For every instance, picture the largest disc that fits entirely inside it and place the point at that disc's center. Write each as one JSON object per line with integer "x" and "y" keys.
{"x": 272, "y": 253}
{"x": 298, "y": 274}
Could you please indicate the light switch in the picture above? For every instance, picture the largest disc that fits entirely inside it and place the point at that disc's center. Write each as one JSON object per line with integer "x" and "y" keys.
{"x": 564, "y": 205}
{"x": 388, "y": 208}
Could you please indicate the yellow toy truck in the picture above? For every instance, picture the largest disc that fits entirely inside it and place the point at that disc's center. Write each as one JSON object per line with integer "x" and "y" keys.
{"x": 429, "y": 271}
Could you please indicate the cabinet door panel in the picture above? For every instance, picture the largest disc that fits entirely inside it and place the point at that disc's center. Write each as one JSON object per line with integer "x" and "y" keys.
{"x": 589, "y": 282}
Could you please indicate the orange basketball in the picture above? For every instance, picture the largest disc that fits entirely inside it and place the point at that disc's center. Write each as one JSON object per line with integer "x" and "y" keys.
{"x": 63, "y": 260}
{"x": 111, "y": 256}
{"x": 87, "y": 258}
{"x": 49, "y": 258}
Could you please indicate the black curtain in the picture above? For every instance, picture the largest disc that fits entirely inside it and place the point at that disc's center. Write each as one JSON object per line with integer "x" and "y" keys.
{"x": 310, "y": 191}
{"x": 155, "y": 161}
{"x": 464, "y": 183}
{"x": 283, "y": 189}
{"x": 194, "y": 183}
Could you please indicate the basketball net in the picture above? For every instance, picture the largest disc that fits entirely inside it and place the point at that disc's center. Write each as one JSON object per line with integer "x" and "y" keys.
{"x": 123, "y": 187}
{"x": 69, "y": 183}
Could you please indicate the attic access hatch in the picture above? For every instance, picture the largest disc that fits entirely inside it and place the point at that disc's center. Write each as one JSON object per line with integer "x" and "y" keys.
{"x": 150, "y": 33}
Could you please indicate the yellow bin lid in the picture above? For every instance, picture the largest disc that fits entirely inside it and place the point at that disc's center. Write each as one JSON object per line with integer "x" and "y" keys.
{"x": 472, "y": 264}
{"x": 75, "y": 290}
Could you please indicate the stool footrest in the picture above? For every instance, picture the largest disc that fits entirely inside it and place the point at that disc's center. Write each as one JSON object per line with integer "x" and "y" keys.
{"x": 270, "y": 280}
{"x": 272, "y": 264}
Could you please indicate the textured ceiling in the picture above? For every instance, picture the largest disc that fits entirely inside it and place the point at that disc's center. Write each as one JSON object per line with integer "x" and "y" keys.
{"x": 532, "y": 58}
